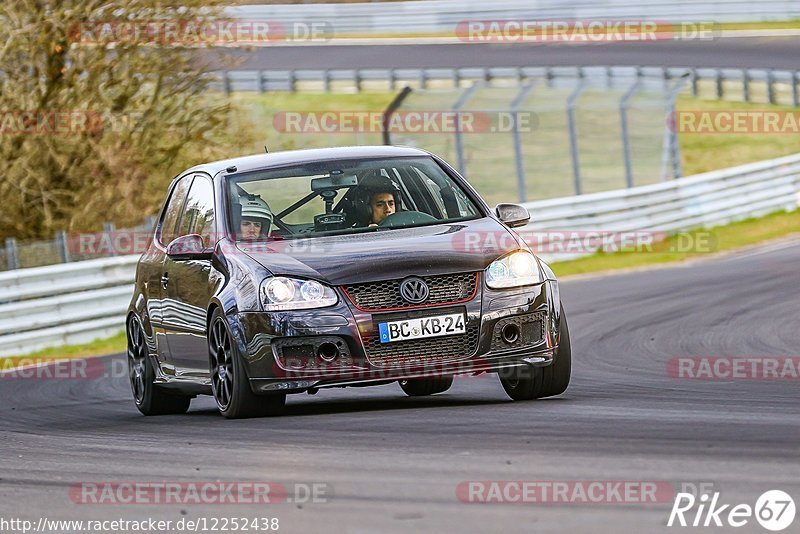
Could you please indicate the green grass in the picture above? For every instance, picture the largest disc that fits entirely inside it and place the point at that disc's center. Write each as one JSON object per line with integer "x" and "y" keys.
{"x": 262, "y": 110}
{"x": 490, "y": 163}
{"x": 708, "y": 152}
{"x": 98, "y": 347}
{"x": 793, "y": 24}
{"x": 720, "y": 239}
{"x": 766, "y": 25}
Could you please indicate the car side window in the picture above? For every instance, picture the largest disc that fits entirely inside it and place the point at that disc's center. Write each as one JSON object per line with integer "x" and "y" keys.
{"x": 198, "y": 214}
{"x": 462, "y": 203}
{"x": 167, "y": 230}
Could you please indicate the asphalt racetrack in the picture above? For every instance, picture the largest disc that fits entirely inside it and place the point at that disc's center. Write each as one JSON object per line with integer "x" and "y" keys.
{"x": 730, "y": 52}
{"x": 389, "y": 463}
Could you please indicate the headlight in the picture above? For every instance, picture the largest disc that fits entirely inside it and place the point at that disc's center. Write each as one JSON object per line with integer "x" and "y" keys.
{"x": 281, "y": 293}
{"x": 516, "y": 269}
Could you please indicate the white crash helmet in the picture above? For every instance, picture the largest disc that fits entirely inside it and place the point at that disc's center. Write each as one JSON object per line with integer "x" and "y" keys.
{"x": 255, "y": 208}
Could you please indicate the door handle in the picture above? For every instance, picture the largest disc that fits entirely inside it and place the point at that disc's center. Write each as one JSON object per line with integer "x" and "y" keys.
{"x": 165, "y": 280}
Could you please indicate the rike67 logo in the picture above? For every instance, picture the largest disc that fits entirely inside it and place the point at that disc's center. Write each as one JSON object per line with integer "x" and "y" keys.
{"x": 774, "y": 510}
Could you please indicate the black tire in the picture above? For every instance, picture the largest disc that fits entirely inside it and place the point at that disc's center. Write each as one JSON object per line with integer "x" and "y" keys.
{"x": 230, "y": 384}
{"x": 150, "y": 399}
{"x": 526, "y": 383}
{"x": 420, "y": 387}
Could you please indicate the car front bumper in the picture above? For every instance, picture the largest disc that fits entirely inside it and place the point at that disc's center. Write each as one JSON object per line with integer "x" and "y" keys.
{"x": 262, "y": 337}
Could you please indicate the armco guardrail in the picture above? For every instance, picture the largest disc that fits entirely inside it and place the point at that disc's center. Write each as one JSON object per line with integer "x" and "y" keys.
{"x": 703, "y": 200}
{"x": 428, "y": 16}
{"x": 63, "y": 304}
{"x": 721, "y": 81}
{"x": 77, "y": 302}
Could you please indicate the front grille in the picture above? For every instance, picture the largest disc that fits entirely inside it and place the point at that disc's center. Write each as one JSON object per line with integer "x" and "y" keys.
{"x": 423, "y": 351}
{"x": 385, "y": 295}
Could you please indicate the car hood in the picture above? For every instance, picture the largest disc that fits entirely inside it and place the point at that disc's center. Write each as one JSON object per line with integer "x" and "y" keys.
{"x": 367, "y": 257}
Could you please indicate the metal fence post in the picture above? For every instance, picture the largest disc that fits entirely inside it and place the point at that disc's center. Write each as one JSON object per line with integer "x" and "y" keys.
{"x": 12, "y": 259}
{"x": 672, "y": 150}
{"x": 720, "y": 86}
{"x": 695, "y": 89}
{"x": 62, "y": 246}
{"x": 226, "y": 82}
{"x": 326, "y": 80}
{"x": 462, "y": 100}
{"x": 626, "y": 141}
{"x": 573, "y": 132}
{"x": 771, "y": 86}
{"x": 108, "y": 229}
{"x": 522, "y": 188}
{"x": 795, "y": 94}
{"x": 746, "y": 85}
{"x": 262, "y": 84}
{"x": 423, "y": 78}
{"x": 396, "y": 102}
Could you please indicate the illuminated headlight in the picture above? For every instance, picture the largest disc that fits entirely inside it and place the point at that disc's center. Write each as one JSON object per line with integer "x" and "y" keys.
{"x": 516, "y": 269}
{"x": 281, "y": 293}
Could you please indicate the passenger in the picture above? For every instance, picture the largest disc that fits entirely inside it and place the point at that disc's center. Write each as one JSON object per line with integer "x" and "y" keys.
{"x": 256, "y": 217}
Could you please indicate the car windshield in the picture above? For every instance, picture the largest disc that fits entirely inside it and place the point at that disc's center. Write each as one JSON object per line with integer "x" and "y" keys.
{"x": 344, "y": 196}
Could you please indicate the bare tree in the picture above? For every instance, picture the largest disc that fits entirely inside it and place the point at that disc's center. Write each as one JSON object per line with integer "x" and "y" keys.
{"x": 99, "y": 106}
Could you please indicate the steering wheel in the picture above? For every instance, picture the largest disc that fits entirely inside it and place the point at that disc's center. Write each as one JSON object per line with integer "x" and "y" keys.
{"x": 405, "y": 218}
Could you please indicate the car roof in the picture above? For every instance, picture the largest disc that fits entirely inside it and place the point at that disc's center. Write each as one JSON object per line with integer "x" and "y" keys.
{"x": 277, "y": 159}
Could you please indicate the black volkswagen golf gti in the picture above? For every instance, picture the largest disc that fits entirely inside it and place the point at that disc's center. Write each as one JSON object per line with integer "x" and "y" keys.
{"x": 295, "y": 271}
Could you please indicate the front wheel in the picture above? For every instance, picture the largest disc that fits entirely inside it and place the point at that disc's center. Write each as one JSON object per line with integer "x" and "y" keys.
{"x": 526, "y": 383}
{"x": 229, "y": 381}
{"x": 150, "y": 399}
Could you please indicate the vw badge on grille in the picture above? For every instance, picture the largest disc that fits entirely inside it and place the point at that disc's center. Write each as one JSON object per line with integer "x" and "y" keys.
{"x": 414, "y": 290}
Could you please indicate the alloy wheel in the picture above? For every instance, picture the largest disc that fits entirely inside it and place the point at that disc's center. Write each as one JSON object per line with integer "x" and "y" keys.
{"x": 221, "y": 364}
{"x": 137, "y": 353}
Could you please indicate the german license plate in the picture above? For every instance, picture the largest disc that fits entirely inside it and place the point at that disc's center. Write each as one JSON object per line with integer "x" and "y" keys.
{"x": 422, "y": 327}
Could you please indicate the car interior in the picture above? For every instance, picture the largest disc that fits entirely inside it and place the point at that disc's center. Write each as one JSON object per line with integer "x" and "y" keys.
{"x": 337, "y": 201}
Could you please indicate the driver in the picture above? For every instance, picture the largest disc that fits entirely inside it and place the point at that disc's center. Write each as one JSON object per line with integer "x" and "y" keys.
{"x": 382, "y": 197}
{"x": 381, "y": 206}
{"x": 256, "y": 217}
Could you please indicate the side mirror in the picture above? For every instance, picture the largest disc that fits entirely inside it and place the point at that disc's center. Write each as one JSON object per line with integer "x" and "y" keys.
{"x": 189, "y": 247}
{"x": 513, "y": 215}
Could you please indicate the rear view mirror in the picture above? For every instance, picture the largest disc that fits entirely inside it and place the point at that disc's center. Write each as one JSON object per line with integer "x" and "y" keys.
{"x": 513, "y": 215}
{"x": 333, "y": 182}
{"x": 189, "y": 247}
